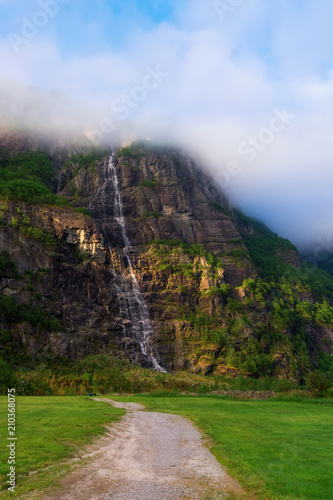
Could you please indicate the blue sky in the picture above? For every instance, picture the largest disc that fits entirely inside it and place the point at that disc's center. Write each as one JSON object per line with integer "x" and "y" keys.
{"x": 287, "y": 36}
{"x": 227, "y": 67}
{"x": 110, "y": 24}
{"x": 86, "y": 27}
{"x": 83, "y": 27}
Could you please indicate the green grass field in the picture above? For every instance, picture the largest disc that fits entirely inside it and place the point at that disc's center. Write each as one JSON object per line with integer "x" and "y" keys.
{"x": 49, "y": 430}
{"x": 276, "y": 449}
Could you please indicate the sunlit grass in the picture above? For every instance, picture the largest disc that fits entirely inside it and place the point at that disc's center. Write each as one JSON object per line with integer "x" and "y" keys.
{"x": 276, "y": 449}
{"x": 49, "y": 430}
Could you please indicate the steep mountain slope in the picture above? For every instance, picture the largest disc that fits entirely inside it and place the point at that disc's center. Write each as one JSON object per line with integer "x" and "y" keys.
{"x": 224, "y": 294}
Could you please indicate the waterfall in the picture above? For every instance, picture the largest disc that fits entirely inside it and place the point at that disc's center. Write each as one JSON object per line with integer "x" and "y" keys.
{"x": 131, "y": 302}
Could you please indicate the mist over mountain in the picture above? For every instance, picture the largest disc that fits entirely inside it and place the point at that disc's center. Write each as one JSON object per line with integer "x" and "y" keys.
{"x": 291, "y": 199}
{"x": 246, "y": 87}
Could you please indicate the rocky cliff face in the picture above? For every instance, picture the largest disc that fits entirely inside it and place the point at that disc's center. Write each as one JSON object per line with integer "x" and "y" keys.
{"x": 209, "y": 310}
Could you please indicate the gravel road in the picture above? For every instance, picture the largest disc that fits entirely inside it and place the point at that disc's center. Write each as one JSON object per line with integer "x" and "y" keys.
{"x": 147, "y": 456}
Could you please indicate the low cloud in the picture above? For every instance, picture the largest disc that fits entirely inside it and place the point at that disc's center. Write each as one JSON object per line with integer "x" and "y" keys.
{"x": 212, "y": 87}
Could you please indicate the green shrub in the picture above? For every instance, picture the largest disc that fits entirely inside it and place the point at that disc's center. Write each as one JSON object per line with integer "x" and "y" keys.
{"x": 150, "y": 183}
{"x": 38, "y": 234}
{"x": 223, "y": 290}
{"x": 130, "y": 151}
{"x": 7, "y": 376}
{"x": 28, "y": 177}
{"x": 36, "y": 316}
{"x": 264, "y": 247}
{"x": 87, "y": 159}
{"x": 238, "y": 254}
{"x": 318, "y": 383}
{"x": 26, "y": 221}
{"x": 282, "y": 385}
{"x": 191, "y": 249}
{"x": 221, "y": 209}
{"x": 153, "y": 213}
{"x": 7, "y": 266}
{"x": 82, "y": 256}
{"x": 82, "y": 210}
{"x": 14, "y": 223}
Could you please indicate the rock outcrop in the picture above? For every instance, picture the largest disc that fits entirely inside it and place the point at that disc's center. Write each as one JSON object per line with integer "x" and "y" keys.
{"x": 189, "y": 257}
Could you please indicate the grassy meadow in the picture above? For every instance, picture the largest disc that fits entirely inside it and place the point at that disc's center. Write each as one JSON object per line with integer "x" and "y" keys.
{"x": 49, "y": 431}
{"x": 276, "y": 449}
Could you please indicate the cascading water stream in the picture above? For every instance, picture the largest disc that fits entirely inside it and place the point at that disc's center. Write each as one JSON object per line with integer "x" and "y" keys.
{"x": 131, "y": 301}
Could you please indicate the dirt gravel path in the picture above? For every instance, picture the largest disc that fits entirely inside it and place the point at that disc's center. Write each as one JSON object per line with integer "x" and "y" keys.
{"x": 148, "y": 456}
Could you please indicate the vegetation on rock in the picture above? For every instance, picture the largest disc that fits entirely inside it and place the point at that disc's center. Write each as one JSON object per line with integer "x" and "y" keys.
{"x": 238, "y": 304}
{"x": 84, "y": 160}
{"x": 28, "y": 177}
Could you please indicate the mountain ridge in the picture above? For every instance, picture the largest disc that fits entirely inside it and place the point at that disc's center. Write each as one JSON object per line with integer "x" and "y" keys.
{"x": 225, "y": 295}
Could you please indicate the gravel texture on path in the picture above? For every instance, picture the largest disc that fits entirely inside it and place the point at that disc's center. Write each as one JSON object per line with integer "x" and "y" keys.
{"x": 147, "y": 456}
